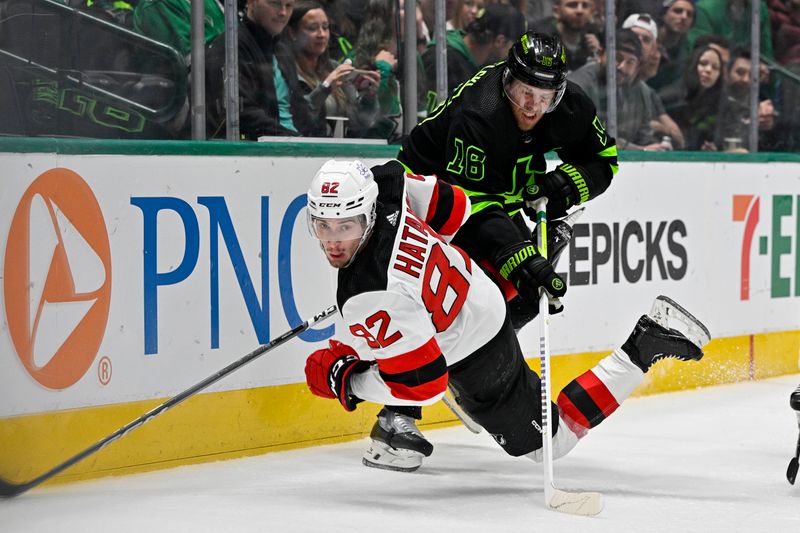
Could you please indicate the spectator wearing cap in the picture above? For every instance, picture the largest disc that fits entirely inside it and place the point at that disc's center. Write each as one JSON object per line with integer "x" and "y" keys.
{"x": 731, "y": 19}
{"x": 677, "y": 18}
{"x": 635, "y": 109}
{"x": 486, "y": 40}
{"x": 644, "y": 26}
{"x": 574, "y": 22}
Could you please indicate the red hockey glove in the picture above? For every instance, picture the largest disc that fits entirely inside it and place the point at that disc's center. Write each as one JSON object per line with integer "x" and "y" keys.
{"x": 328, "y": 373}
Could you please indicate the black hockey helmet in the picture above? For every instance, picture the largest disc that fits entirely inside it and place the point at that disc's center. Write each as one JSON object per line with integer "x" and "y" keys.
{"x": 539, "y": 60}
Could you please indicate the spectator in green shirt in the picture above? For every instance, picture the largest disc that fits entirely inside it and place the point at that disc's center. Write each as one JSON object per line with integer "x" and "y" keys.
{"x": 731, "y": 19}
{"x": 170, "y": 22}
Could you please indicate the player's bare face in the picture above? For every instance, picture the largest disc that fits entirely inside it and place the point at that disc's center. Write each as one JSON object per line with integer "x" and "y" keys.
{"x": 528, "y": 103}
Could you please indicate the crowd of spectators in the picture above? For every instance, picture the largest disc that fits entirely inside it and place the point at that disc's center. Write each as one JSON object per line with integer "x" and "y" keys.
{"x": 331, "y": 67}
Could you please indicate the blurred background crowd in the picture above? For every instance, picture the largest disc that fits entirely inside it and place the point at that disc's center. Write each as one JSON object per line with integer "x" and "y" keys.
{"x": 333, "y": 68}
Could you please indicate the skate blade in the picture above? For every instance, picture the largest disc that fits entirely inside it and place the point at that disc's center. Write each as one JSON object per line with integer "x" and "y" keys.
{"x": 791, "y": 472}
{"x": 666, "y": 311}
{"x": 379, "y": 455}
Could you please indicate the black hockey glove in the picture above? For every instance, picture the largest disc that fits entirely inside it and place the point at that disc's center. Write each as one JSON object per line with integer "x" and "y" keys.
{"x": 522, "y": 265}
{"x": 559, "y": 234}
{"x": 559, "y": 189}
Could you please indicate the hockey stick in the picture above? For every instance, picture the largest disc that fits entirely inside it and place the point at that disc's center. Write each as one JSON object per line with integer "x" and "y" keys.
{"x": 561, "y": 238}
{"x": 578, "y": 503}
{"x": 465, "y": 419}
{"x": 9, "y": 489}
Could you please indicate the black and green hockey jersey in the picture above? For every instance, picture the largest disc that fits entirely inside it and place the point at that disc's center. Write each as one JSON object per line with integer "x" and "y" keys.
{"x": 472, "y": 140}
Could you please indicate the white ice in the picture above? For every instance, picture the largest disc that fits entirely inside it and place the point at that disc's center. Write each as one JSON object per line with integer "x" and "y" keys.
{"x": 708, "y": 460}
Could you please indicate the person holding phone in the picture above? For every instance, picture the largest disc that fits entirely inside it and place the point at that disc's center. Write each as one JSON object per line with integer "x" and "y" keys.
{"x": 332, "y": 89}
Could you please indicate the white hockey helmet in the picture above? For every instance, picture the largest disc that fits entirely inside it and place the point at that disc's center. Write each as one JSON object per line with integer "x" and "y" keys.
{"x": 342, "y": 190}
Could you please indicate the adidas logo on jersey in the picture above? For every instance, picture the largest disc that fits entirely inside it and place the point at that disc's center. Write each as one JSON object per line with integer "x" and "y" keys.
{"x": 393, "y": 218}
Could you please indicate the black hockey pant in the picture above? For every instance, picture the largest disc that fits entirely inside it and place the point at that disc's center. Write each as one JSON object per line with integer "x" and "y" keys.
{"x": 497, "y": 388}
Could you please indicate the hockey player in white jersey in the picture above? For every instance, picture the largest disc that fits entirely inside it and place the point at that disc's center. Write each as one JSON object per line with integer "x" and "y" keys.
{"x": 420, "y": 314}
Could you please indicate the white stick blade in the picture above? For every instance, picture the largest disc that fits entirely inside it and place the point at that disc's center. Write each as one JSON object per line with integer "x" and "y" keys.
{"x": 577, "y": 503}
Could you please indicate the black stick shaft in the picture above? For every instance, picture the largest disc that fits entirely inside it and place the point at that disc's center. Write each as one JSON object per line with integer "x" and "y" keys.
{"x": 8, "y": 489}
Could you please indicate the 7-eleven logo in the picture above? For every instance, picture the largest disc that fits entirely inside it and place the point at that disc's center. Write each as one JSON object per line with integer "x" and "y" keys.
{"x": 781, "y": 245}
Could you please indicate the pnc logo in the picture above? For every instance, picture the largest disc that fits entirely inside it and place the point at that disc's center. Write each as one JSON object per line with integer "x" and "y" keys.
{"x": 57, "y": 283}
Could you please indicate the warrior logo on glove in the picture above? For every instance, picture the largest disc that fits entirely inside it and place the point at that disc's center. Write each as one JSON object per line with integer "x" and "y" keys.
{"x": 528, "y": 271}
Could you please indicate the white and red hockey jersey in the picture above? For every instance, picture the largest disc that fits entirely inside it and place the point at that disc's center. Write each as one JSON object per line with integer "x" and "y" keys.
{"x": 417, "y": 303}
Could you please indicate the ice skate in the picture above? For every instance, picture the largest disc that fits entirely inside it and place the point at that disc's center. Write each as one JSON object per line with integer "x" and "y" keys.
{"x": 653, "y": 339}
{"x": 396, "y": 444}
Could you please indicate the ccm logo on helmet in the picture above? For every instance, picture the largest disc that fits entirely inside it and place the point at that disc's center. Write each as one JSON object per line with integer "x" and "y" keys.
{"x": 329, "y": 188}
{"x": 323, "y": 204}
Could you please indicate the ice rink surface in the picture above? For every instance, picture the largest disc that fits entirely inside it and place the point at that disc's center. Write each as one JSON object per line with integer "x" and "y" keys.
{"x": 708, "y": 460}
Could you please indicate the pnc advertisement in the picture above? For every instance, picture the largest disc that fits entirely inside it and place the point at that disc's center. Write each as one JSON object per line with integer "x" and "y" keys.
{"x": 130, "y": 277}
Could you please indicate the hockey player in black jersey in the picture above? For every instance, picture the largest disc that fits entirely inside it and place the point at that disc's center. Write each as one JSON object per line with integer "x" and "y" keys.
{"x": 490, "y": 138}
{"x": 419, "y": 314}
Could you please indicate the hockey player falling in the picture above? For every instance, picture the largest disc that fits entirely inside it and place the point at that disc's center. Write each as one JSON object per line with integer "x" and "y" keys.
{"x": 423, "y": 314}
